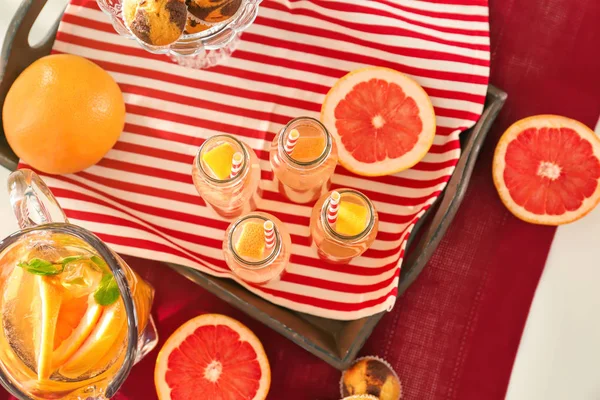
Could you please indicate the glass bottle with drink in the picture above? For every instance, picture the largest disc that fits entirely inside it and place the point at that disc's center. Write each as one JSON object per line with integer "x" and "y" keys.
{"x": 226, "y": 174}
{"x": 257, "y": 248}
{"x": 74, "y": 316}
{"x": 343, "y": 225}
{"x": 303, "y": 157}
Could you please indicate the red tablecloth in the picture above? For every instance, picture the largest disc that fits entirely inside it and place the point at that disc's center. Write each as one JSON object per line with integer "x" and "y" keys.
{"x": 455, "y": 333}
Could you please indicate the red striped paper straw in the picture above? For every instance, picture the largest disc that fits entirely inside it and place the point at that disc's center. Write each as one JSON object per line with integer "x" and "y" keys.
{"x": 236, "y": 164}
{"x": 290, "y": 143}
{"x": 269, "y": 234}
{"x": 332, "y": 209}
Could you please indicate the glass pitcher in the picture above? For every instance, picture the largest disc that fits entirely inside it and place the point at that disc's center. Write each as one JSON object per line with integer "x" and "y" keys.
{"x": 74, "y": 316}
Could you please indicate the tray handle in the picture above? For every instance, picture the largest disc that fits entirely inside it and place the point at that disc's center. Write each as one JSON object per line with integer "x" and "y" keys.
{"x": 453, "y": 195}
{"x": 17, "y": 54}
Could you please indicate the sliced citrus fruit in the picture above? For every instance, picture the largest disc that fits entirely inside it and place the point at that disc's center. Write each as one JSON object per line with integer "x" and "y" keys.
{"x": 219, "y": 160}
{"x": 112, "y": 359}
{"x": 251, "y": 243}
{"x": 215, "y": 356}
{"x": 21, "y": 297}
{"x": 547, "y": 169}
{"x": 308, "y": 148}
{"x": 101, "y": 341}
{"x": 382, "y": 121}
{"x": 51, "y": 298}
{"x": 351, "y": 219}
{"x": 76, "y": 320}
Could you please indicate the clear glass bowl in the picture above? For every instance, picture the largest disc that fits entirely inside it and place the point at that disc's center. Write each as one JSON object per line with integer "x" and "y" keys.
{"x": 198, "y": 50}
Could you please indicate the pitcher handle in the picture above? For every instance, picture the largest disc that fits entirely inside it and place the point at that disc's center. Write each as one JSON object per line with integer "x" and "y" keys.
{"x": 32, "y": 201}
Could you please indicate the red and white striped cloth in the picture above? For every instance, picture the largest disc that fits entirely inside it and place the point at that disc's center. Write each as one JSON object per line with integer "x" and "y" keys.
{"x": 140, "y": 198}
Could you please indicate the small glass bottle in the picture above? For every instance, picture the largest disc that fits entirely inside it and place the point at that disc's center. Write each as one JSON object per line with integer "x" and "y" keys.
{"x": 306, "y": 173}
{"x": 338, "y": 248}
{"x": 229, "y": 196}
{"x": 247, "y": 252}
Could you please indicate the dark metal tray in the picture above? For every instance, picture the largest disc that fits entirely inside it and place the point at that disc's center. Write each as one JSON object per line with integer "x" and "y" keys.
{"x": 336, "y": 342}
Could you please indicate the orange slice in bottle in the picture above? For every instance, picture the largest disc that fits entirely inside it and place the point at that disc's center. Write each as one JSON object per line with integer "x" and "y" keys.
{"x": 251, "y": 243}
{"x": 219, "y": 160}
{"x": 308, "y": 148}
{"x": 352, "y": 219}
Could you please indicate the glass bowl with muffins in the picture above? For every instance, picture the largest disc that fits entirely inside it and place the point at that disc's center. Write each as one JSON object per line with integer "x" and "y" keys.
{"x": 195, "y": 33}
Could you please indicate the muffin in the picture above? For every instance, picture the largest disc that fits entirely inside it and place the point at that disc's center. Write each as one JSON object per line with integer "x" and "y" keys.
{"x": 373, "y": 376}
{"x": 156, "y": 22}
{"x": 194, "y": 27}
{"x": 213, "y": 11}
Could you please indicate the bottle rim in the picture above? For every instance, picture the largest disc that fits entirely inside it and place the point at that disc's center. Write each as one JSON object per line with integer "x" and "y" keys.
{"x": 255, "y": 265}
{"x": 313, "y": 163}
{"x": 207, "y": 176}
{"x": 344, "y": 238}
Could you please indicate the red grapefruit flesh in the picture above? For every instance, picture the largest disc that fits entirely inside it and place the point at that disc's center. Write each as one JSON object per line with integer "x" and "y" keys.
{"x": 547, "y": 169}
{"x": 382, "y": 120}
{"x": 212, "y": 357}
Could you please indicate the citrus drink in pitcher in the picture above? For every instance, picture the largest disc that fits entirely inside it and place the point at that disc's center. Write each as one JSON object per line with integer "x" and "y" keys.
{"x": 74, "y": 317}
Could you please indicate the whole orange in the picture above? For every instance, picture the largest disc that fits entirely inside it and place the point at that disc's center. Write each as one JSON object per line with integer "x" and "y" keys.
{"x": 63, "y": 114}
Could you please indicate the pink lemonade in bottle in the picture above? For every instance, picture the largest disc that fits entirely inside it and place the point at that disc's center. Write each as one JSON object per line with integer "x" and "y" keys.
{"x": 257, "y": 248}
{"x": 343, "y": 225}
{"x": 226, "y": 174}
{"x": 303, "y": 157}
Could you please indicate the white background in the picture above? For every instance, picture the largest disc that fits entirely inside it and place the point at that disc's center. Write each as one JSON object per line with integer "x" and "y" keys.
{"x": 559, "y": 355}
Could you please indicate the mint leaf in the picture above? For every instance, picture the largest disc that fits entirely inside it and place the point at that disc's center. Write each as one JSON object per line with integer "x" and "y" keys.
{"x": 38, "y": 266}
{"x": 101, "y": 264}
{"x": 39, "y": 263}
{"x": 108, "y": 291}
{"x": 67, "y": 260}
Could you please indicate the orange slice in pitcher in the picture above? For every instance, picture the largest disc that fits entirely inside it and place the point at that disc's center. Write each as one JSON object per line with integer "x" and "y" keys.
{"x": 101, "y": 341}
{"x": 50, "y": 297}
{"x": 219, "y": 160}
{"x": 76, "y": 320}
{"x": 21, "y": 297}
{"x": 251, "y": 243}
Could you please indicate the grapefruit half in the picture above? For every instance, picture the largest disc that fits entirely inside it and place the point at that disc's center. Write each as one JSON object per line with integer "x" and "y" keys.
{"x": 382, "y": 120}
{"x": 212, "y": 357}
{"x": 547, "y": 169}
